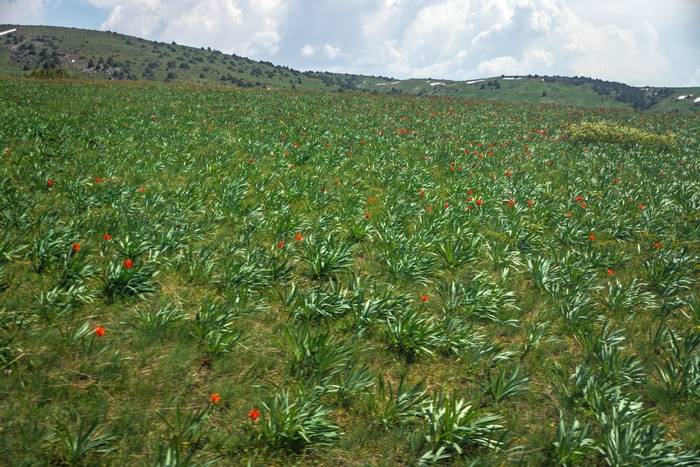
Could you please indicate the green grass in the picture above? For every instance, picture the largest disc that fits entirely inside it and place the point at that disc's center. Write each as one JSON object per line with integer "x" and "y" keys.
{"x": 494, "y": 336}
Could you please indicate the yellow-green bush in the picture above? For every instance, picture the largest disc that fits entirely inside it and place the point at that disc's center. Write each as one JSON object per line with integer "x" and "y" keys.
{"x": 606, "y": 132}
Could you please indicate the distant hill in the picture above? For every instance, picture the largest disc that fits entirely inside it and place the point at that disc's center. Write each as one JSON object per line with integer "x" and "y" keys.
{"x": 35, "y": 50}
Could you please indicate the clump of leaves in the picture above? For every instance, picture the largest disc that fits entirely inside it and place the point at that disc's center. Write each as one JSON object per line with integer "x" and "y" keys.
{"x": 294, "y": 423}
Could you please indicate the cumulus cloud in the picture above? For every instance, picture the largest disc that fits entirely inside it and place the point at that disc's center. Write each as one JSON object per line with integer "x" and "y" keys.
{"x": 308, "y": 50}
{"x": 247, "y": 27}
{"x": 22, "y": 11}
{"x": 331, "y": 51}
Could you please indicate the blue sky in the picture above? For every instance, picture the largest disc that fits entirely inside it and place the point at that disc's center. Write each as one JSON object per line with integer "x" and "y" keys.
{"x": 641, "y": 42}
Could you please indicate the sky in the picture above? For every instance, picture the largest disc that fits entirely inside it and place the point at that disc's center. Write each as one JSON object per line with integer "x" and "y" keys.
{"x": 639, "y": 42}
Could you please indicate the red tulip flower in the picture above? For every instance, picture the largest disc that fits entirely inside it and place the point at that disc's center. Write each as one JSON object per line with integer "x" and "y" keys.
{"x": 75, "y": 247}
{"x": 424, "y": 298}
{"x": 280, "y": 244}
{"x": 49, "y": 182}
{"x": 367, "y": 215}
{"x": 591, "y": 237}
{"x": 106, "y": 237}
{"x": 100, "y": 331}
{"x": 128, "y": 263}
{"x": 610, "y": 272}
{"x": 254, "y": 414}
{"x": 298, "y": 237}
{"x": 215, "y": 398}
{"x": 656, "y": 245}
{"x": 479, "y": 202}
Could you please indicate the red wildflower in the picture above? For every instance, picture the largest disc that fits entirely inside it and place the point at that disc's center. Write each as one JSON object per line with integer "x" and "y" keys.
{"x": 447, "y": 205}
{"x": 141, "y": 189}
{"x": 530, "y": 203}
{"x": 428, "y": 208}
{"x": 75, "y": 247}
{"x": 579, "y": 198}
{"x": 421, "y": 193}
{"x": 100, "y": 331}
{"x": 642, "y": 206}
{"x": 424, "y": 298}
{"x": 254, "y": 414}
{"x": 367, "y": 216}
{"x": 128, "y": 263}
{"x": 583, "y": 205}
{"x": 215, "y": 398}
{"x": 479, "y": 202}
{"x": 508, "y": 173}
{"x": 611, "y": 272}
{"x": 510, "y": 202}
{"x": 298, "y": 237}
{"x": 470, "y": 191}
{"x": 657, "y": 245}
{"x": 616, "y": 181}
{"x": 280, "y": 244}
{"x": 591, "y": 237}
{"x": 99, "y": 180}
{"x": 106, "y": 237}
{"x": 49, "y": 182}
{"x": 470, "y": 199}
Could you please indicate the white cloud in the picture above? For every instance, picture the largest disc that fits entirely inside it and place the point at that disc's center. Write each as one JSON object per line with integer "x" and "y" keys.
{"x": 331, "y": 51}
{"x": 499, "y": 66}
{"x": 464, "y": 39}
{"x": 246, "y": 27}
{"x": 308, "y": 50}
{"x": 22, "y": 11}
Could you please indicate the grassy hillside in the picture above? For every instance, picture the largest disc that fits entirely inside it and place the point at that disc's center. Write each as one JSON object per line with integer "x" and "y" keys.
{"x": 548, "y": 90}
{"x": 250, "y": 277}
{"x": 106, "y": 55}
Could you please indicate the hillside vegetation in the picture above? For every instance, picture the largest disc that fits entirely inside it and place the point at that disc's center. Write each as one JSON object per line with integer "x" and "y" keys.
{"x": 108, "y": 55}
{"x": 193, "y": 274}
